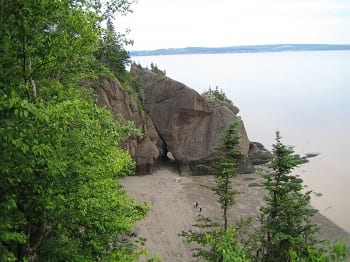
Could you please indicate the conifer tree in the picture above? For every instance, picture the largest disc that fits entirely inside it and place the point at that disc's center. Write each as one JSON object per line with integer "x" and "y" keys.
{"x": 112, "y": 53}
{"x": 220, "y": 237}
{"x": 225, "y": 169}
{"x": 285, "y": 219}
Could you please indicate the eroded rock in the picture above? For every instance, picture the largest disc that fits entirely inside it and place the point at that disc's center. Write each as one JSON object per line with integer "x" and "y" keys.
{"x": 258, "y": 154}
{"x": 188, "y": 123}
{"x": 146, "y": 149}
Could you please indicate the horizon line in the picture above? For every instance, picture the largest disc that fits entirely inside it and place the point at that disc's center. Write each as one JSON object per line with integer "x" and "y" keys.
{"x": 246, "y": 45}
{"x": 242, "y": 49}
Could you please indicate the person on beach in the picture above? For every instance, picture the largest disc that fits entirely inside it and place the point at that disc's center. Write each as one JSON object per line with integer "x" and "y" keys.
{"x": 195, "y": 205}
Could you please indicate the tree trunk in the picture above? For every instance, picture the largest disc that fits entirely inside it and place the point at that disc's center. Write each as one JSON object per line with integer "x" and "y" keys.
{"x": 29, "y": 250}
{"x": 33, "y": 91}
{"x": 225, "y": 203}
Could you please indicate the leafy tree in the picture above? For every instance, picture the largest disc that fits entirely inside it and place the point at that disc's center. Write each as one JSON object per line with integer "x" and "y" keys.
{"x": 327, "y": 252}
{"x": 214, "y": 243}
{"x": 226, "y": 244}
{"x": 220, "y": 237}
{"x": 285, "y": 220}
{"x": 59, "y": 153}
{"x": 47, "y": 40}
{"x": 58, "y": 162}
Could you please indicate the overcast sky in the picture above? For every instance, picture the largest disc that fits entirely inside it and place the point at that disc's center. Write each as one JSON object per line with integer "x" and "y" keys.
{"x": 213, "y": 23}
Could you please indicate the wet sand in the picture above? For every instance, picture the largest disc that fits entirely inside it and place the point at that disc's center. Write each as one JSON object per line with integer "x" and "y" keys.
{"x": 172, "y": 197}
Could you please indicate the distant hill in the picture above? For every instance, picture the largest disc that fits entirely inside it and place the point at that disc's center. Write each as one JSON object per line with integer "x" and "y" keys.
{"x": 240, "y": 49}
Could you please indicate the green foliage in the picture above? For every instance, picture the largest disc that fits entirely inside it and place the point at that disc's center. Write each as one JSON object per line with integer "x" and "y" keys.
{"x": 216, "y": 95}
{"x": 326, "y": 253}
{"x": 286, "y": 228}
{"x": 59, "y": 153}
{"x": 228, "y": 247}
{"x": 134, "y": 86}
{"x": 226, "y": 168}
{"x": 146, "y": 256}
{"x": 217, "y": 241}
{"x": 59, "y": 158}
{"x": 46, "y": 40}
{"x": 155, "y": 69}
{"x": 52, "y": 40}
{"x": 205, "y": 227}
{"x": 112, "y": 53}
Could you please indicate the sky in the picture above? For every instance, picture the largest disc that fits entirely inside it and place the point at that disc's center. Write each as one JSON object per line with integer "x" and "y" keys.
{"x": 156, "y": 24}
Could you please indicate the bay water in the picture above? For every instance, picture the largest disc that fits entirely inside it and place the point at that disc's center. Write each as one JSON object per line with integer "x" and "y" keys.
{"x": 304, "y": 95}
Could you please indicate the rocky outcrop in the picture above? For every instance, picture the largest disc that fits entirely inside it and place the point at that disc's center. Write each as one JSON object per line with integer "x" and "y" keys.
{"x": 146, "y": 149}
{"x": 187, "y": 123}
{"x": 258, "y": 154}
{"x": 175, "y": 121}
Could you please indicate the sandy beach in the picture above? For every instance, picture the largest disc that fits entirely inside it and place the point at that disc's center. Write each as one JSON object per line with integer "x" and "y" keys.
{"x": 172, "y": 196}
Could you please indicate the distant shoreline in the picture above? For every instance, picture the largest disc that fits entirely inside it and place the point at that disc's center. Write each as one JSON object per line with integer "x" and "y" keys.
{"x": 242, "y": 49}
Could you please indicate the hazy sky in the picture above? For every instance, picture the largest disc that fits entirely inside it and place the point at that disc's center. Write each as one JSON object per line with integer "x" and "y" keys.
{"x": 180, "y": 23}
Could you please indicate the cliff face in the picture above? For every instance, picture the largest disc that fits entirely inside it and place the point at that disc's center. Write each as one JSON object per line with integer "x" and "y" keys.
{"x": 178, "y": 121}
{"x": 145, "y": 150}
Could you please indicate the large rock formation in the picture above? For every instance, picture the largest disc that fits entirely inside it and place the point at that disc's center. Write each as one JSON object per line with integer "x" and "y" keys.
{"x": 146, "y": 149}
{"x": 188, "y": 124}
{"x": 179, "y": 122}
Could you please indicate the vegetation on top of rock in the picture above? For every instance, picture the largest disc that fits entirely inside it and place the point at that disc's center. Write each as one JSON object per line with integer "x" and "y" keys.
{"x": 134, "y": 86}
{"x": 216, "y": 95}
{"x": 155, "y": 69}
{"x": 112, "y": 53}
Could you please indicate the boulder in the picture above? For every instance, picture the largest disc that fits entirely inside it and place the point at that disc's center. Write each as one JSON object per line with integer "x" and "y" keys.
{"x": 258, "y": 154}
{"x": 188, "y": 124}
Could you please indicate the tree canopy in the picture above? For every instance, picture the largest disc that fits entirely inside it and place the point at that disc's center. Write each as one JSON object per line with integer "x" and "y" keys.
{"x": 59, "y": 159}
{"x": 59, "y": 153}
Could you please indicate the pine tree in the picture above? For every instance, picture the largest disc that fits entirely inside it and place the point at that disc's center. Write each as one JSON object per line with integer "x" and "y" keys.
{"x": 285, "y": 220}
{"x": 225, "y": 169}
{"x": 220, "y": 237}
{"x": 112, "y": 53}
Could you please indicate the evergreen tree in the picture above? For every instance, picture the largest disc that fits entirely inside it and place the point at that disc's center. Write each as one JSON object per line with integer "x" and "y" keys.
{"x": 220, "y": 237}
{"x": 155, "y": 69}
{"x": 112, "y": 53}
{"x": 225, "y": 169}
{"x": 285, "y": 219}
{"x": 216, "y": 95}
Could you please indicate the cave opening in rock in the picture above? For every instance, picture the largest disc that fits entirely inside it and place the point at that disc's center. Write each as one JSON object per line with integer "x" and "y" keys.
{"x": 170, "y": 156}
